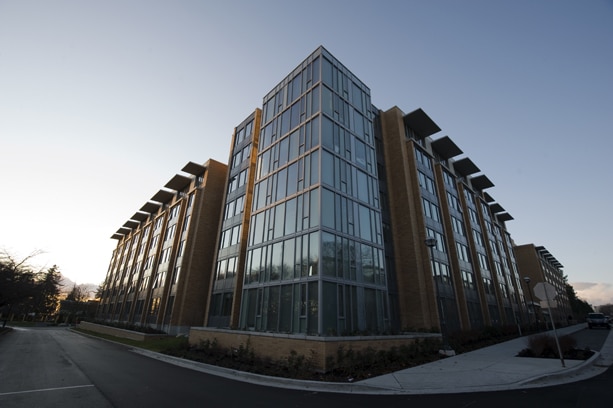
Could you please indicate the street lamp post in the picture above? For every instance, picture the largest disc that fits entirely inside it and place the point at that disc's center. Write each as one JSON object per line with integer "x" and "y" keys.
{"x": 527, "y": 280}
{"x": 446, "y": 350}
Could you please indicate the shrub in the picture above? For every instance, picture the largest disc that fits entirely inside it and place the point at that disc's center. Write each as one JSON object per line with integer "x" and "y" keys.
{"x": 544, "y": 346}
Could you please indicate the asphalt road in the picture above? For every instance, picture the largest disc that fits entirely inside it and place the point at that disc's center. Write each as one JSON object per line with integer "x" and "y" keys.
{"x": 55, "y": 367}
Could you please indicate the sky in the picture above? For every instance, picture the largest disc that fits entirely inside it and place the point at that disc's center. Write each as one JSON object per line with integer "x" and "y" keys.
{"x": 103, "y": 102}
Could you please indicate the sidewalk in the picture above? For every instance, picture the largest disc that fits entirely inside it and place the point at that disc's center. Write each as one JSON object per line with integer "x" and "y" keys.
{"x": 493, "y": 368}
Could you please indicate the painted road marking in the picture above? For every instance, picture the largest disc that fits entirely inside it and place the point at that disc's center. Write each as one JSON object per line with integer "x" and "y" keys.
{"x": 46, "y": 389}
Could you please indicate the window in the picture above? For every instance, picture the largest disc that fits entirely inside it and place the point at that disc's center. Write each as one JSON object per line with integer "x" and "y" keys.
{"x": 174, "y": 212}
{"x": 170, "y": 232}
{"x": 441, "y": 271}
{"x": 440, "y": 239}
{"x": 155, "y": 306}
{"x": 158, "y": 223}
{"x": 478, "y": 238}
{"x": 468, "y": 280}
{"x": 431, "y": 210}
{"x": 488, "y": 286}
{"x": 240, "y": 135}
{"x": 236, "y": 232}
{"x": 458, "y": 226}
{"x": 165, "y": 255}
{"x": 423, "y": 159}
{"x": 494, "y": 247}
{"x": 483, "y": 261}
{"x": 360, "y": 153}
{"x": 154, "y": 241}
{"x": 148, "y": 263}
{"x": 242, "y": 178}
{"x": 454, "y": 202}
{"x": 462, "y": 252}
{"x": 181, "y": 248}
{"x": 473, "y": 216}
{"x": 186, "y": 223}
{"x": 144, "y": 284}
{"x": 159, "y": 279}
{"x": 426, "y": 183}
{"x": 469, "y": 197}
{"x": 449, "y": 180}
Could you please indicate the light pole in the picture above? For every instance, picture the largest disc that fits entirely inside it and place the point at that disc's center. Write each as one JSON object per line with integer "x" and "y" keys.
{"x": 527, "y": 280}
{"x": 446, "y": 350}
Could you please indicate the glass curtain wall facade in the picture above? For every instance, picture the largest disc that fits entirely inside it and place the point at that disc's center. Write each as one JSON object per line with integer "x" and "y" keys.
{"x": 315, "y": 257}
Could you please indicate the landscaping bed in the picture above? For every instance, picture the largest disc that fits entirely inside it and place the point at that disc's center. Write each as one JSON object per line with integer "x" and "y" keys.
{"x": 544, "y": 346}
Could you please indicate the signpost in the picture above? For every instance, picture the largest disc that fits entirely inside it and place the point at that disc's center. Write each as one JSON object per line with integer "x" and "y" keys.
{"x": 546, "y": 292}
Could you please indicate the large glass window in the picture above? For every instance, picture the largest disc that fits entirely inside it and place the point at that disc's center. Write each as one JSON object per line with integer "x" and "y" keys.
{"x": 328, "y": 243}
{"x": 327, "y": 168}
{"x": 362, "y": 186}
{"x": 326, "y": 72}
{"x": 277, "y": 261}
{"x": 288, "y": 259}
{"x": 365, "y": 230}
{"x": 327, "y": 203}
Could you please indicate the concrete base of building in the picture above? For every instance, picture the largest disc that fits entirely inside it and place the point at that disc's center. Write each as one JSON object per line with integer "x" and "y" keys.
{"x": 319, "y": 351}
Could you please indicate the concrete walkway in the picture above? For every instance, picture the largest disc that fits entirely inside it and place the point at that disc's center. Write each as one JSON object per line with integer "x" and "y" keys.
{"x": 494, "y": 368}
{"x": 491, "y": 368}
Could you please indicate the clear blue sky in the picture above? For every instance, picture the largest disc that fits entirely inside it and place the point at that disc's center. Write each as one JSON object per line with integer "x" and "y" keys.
{"x": 102, "y": 102}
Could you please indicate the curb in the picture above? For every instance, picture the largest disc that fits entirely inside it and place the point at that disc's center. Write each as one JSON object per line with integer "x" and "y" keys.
{"x": 595, "y": 365}
{"x": 589, "y": 368}
{"x": 264, "y": 380}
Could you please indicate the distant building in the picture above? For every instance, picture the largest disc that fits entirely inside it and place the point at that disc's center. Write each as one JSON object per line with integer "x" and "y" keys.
{"x": 318, "y": 226}
{"x": 538, "y": 265}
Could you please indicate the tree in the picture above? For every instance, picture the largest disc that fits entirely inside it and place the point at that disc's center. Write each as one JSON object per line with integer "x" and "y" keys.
{"x": 606, "y": 309}
{"x": 17, "y": 283}
{"x": 48, "y": 291}
{"x": 77, "y": 294}
{"x": 25, "y": 291}
{"x": 579, "y": 307}
{"x": 100, "y": 291}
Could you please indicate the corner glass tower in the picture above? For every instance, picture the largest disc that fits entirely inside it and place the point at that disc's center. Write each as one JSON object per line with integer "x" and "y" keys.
{"x": 315, "y": 256}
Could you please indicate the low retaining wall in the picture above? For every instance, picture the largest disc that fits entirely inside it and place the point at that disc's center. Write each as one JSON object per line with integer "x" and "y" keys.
{"x": 125, "y": 334}
{"x": 313, "y": 348}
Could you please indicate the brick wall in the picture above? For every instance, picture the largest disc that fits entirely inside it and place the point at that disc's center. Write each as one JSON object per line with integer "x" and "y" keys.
{"x": 315, "y": 349}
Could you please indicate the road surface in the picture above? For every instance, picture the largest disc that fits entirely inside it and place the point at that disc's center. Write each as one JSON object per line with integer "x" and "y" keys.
{"x": 55, "y": 367}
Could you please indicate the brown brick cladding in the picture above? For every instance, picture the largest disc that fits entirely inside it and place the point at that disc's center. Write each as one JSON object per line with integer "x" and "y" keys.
{"x": 416, "y": 299}
{"x": 198, "y": 263}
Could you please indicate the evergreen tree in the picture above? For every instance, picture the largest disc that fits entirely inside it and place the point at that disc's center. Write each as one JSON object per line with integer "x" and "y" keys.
{"x": 579, "y": 306}
{"x": 48, "y": 291}
{"x": 25, "y": 292}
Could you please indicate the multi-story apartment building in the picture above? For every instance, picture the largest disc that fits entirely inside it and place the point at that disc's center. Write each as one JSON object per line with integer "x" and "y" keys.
{"x": 538, "y": 265}
{"x": 323, "y": 215}
{"x": 339, "y": 188}
{"x": 432, "y": 193}
{"x": 160, "y": 271}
